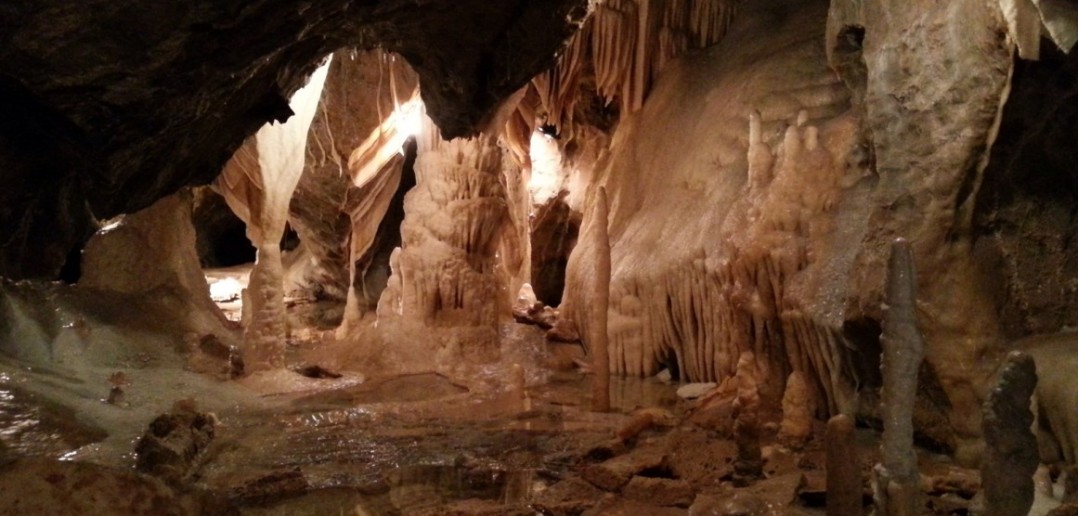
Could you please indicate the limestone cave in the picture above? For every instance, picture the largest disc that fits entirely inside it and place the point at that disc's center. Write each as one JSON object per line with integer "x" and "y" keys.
{"x": 539, "y": 257}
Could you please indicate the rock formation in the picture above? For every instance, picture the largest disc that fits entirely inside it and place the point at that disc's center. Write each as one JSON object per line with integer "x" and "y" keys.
{"x": 595, "y": 327}
{"x": 898, "y": 490}
{"x": 796, "y": 428}
{"x": 1010, "y": 446}
{"x": 444, "y": 274}
{"x": 258, "y": 183}
{"x": 844, "y": 483}
{"x": 748, "y": 465}
{"x": 125, "y": 108}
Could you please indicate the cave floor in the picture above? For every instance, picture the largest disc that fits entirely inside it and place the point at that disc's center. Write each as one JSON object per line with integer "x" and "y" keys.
{"x": 425, "y": 443}
{"x": 336, "y": 433}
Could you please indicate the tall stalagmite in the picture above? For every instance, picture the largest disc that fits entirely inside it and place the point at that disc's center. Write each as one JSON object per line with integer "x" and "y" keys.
{"x": 597, "y": 296}
{"x": 258, "y": 183}
{"x": 898, "y": 479}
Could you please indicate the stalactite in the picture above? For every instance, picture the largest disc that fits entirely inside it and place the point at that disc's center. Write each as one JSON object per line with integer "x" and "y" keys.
{"x": 629, "y": 43}
{"x": 258, "y": 184}
{"x": 897, "y": 478}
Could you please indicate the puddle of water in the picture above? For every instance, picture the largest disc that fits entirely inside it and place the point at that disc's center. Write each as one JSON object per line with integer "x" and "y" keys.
{"x": 398, "y": 389}
{"x": 30, "y": 426}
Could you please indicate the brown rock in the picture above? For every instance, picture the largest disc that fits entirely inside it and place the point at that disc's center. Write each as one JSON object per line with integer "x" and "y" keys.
{"x": 659, "y": 491}
{"x": 34, "y": 486}
{"x": 1011, "y": 455}
{"x": 172, "y": 443}
{"x": 613, "y": 474}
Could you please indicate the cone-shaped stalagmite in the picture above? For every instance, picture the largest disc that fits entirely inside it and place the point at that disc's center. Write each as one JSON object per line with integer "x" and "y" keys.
{"x": 898, "y": 488}
{"x": 796, "y": 429}
{"x": 1010, "y": 447}
{"x": 597, "y": 297}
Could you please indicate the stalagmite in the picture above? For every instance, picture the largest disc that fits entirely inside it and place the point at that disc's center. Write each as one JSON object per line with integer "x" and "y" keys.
{"x": 598, "y": 302}
{"x": 796, "y": 429}
{"x": 897, "y": 478}
{"x": 258, "y": 183}
{"x": 843, "y": 468}
{"x": 748, "y": 465}
{"x": 445, "y": 282}
{"x": 1010, "y": 446}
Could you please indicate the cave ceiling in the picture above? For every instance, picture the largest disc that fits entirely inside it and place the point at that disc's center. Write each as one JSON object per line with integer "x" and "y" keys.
{"x": 110, "y": 105}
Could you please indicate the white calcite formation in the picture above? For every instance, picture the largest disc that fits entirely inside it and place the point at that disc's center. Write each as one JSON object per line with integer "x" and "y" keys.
{"x": 444, "y": 276}
{"x": 258, "y": 183}
{"x": 744, "y": 271}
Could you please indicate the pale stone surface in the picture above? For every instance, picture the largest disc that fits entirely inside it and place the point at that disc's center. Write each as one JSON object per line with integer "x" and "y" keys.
{"x": 691, "y": 391}
{"x": 797, "y": 409}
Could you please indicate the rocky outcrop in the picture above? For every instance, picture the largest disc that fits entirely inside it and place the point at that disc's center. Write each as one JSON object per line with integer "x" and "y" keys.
{"x": 128, "y": 102}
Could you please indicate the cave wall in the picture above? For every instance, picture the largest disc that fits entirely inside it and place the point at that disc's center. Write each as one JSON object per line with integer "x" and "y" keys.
{"x": 146, "y": 98}
{"x": 806, "y": 141}
{"x": 1025, "y": 217}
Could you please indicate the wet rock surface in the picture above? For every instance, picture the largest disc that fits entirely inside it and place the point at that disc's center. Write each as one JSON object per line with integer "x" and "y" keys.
{"x": 172, "y": 444}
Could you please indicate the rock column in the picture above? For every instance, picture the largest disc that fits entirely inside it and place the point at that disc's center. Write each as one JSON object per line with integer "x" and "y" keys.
{"x": 898, "y": 479}
{"x": 597, "y": 299}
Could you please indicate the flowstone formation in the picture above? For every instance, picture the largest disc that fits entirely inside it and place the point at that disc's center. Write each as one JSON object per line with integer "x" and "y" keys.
{"x": 444, "y": 277}
{"x": 787, "y": 141}
{"x": 258, "y": 183}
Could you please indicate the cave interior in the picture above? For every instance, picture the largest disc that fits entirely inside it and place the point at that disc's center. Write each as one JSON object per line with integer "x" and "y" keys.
{"x": 559, "y": 257}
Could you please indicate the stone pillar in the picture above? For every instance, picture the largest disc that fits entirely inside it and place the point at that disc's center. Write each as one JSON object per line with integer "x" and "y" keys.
{"x": 597, "y": 301}
{"x": 898, "y": 479}
{"x": 796, "y": 429}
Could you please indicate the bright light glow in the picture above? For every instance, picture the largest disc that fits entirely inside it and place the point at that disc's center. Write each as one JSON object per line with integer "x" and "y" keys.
{"x": 545, "y": 181}
{"x": 410, "y": 117}
{"x": 223, "y": 291}
{"x": 112, "y": 224}
{"x": 386, "y": 140}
